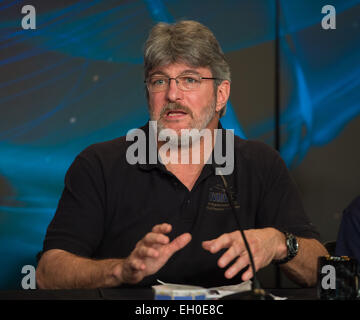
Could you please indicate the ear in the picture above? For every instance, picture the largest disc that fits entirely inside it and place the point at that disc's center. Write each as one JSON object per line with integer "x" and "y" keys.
{"x": 223, "y": 93}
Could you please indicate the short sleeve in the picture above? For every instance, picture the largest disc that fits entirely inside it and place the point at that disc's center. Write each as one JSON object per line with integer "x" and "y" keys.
{"x": 282, "y": 206}
{"x": 78, "y": 223}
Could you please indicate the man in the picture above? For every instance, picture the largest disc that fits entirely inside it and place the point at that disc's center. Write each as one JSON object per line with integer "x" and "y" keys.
{"x": 348, "y": 238}
{"x": 130, "y": 224}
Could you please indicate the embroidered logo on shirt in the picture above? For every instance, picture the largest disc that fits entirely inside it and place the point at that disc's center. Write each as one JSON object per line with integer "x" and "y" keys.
{"x": 218, "y": 200}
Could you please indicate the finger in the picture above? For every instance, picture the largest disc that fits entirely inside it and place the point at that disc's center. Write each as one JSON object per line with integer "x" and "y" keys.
{"x": 137, "y": 264}
{"x": 162, "y": 228}
{"x": 178, "y": 243}
{"x": 211, "y": 245}
{"x": 155, "y": 238}
{"x": 237, "y": 266}
{"x": 247, "y": 275}
{"x": 145, "y": 252}
{"x": 224, "y": 241}
{"x": 229, "y": 255}
{"x": 207, "y": 244}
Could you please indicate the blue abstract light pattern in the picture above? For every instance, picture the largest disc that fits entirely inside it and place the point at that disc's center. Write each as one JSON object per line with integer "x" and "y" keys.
{"x": 77, "y": 79}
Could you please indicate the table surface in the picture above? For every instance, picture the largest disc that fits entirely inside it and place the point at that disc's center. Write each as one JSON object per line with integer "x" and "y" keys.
{"x": 128, "y": 294}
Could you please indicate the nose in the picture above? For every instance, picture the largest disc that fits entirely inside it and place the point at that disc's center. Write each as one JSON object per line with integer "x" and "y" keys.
{"x": 173, "y": 93}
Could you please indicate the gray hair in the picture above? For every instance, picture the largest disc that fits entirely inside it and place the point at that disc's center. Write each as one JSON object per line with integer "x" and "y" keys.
{"x": 189, "y": 42}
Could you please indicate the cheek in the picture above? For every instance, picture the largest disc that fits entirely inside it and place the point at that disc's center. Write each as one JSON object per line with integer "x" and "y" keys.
{"x": 200, "y": 104}
{"x": 155, "y": 103}
{"x": 195, "y": 102}
{"x": 202, "y": 98}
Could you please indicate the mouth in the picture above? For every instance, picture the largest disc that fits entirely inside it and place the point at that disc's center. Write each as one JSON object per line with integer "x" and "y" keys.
{"x": 175, "y": 115}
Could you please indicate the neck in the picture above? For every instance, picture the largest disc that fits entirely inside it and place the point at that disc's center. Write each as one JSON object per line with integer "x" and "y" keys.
{"x": 187, "y": 161}
{"x": 193, "y": 149}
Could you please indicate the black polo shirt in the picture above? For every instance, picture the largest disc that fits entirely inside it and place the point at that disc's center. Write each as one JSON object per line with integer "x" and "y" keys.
{"x": 108, "y": 205}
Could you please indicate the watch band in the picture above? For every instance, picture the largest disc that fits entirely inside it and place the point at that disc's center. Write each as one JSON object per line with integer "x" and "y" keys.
{"x": 292, "y": 248}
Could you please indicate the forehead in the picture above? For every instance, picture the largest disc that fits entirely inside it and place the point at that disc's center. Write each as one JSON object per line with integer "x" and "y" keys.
{"x": 175, "y": 69}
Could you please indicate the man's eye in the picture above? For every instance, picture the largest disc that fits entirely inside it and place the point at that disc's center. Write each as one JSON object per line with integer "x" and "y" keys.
{"x": 190, "y": 80}
{"x": 158, "y": 82}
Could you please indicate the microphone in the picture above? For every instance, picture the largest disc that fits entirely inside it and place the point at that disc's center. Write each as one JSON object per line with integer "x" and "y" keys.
{"x": 256, "y": 292}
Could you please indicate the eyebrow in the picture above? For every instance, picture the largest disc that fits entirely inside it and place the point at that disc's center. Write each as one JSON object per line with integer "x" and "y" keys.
{"x": 187, "y": 71}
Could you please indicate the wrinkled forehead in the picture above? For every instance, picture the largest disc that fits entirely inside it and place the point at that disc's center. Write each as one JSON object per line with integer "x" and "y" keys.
{"x": 179, "y": 68}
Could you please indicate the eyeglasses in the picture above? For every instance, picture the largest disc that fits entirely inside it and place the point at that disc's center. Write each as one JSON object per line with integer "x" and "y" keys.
{"x": 159, "y": 83}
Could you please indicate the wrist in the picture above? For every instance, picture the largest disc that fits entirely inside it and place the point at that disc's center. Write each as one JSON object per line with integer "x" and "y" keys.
{"x": 113, "y": 272}
{"x": 281, "y": 248}
{"x": 292, "y": 248}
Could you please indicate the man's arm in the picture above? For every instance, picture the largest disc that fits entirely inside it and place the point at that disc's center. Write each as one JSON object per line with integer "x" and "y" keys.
{"x": 266, "y": 245}
{"x": 303, "y": 268}
{"x": 59, "y": 269}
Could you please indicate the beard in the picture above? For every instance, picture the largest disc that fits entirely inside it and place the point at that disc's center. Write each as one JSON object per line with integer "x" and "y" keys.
{"x": 183, "y": 138}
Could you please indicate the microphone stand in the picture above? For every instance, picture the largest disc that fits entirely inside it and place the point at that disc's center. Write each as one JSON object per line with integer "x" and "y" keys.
{"x": 256, "y": 292}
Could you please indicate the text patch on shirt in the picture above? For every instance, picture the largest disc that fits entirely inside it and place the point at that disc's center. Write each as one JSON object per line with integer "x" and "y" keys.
{"x": 218, "y": 200}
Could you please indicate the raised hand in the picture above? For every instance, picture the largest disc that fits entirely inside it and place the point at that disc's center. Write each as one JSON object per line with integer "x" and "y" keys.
{"x": 265, "y": 244}
{"x": 151, "y": 253}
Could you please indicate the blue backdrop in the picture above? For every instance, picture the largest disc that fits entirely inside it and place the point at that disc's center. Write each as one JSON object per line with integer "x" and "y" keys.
{"x": 77, "y": 79}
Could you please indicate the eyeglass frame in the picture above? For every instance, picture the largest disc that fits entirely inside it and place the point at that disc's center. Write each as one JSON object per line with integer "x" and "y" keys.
{"x": 177, "y": 82}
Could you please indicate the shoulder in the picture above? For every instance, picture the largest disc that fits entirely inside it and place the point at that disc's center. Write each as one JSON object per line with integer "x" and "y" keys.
{"x": 99, "y": 160}
{"x": 355, "y": 203}
{"x": 108, "y": 151}
{"x": 111, "y": 147}
{"x": 353, "y": 209}
{"x": 111, "y": 151}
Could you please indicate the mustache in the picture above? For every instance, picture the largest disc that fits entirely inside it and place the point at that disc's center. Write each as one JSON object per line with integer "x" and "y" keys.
{"x": 175, "y": 107}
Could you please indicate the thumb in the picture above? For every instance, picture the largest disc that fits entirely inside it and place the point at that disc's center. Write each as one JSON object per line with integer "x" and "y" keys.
{"x": 178, "y": 243}
{"x": 207, "y": 244}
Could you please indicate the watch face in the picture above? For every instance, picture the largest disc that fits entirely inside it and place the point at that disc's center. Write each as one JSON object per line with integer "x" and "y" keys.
{"x": 292, "y": 248}
{"x": 293, "y": 244}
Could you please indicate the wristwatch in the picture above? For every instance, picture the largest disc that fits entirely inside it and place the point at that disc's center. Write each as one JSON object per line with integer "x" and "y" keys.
{"x": 292, "y": 248}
